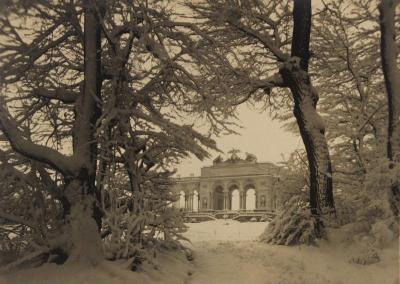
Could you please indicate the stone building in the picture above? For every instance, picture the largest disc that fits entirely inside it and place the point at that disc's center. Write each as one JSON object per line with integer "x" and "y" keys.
{"x": 232, "y": 185}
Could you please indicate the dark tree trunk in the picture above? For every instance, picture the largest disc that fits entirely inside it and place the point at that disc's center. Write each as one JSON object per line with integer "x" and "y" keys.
{"x": 87, "y": 108}
{"x": 391, "y": 73}
{"x": 82, "y": 242}
{"x": 295, "y": 75}
{"x": 84, "y": 216}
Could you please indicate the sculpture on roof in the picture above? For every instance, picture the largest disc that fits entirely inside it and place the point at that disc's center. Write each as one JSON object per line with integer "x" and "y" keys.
{"x": 218, "y": 160}
{"x": 234, "y": 158}
{"x": 251, "y": 158}
{"x": 234, "y": 155}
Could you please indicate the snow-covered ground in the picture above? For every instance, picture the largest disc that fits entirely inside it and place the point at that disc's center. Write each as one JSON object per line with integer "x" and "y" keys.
{"x": 224, "y": 230}
{"x": 228, "y": 252}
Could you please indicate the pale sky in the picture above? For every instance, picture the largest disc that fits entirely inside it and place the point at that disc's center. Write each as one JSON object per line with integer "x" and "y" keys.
{"x": 260, "y": 136}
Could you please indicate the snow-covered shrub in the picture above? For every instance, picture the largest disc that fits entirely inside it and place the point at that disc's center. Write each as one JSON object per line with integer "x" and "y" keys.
{"x": 382, "y": 234}
{"x": 30, "y": 217}
{"x": 136, "y": 225}
{"x": 132, "y": 233}
{"x": 366, "y": 258}
{"x": 293, "y": 225}
{"x": 9, "y": 250}
{"x": 140, "y": 237}
{"x": 365, "y": 212}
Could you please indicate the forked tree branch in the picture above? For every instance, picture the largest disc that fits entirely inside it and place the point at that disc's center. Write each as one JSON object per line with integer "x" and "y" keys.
{"x": 55, "y": 159}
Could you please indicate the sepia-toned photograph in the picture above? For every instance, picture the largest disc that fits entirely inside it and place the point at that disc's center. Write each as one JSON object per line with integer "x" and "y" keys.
{"x": 199, "y": 141}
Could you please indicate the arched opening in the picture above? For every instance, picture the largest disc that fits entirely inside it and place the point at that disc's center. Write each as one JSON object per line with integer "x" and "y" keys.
{"x": 182, "y": 200}
{"x": 235, "y": 200}
{"x": 195, "y": 201}
{"x": 250, "y": 199}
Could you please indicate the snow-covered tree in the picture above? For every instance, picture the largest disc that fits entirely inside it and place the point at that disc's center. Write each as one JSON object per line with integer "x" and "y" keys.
{"x": 255, "y": 37}
{"x": 348, "y": 75}
{"x": 87, "y": 87}
{"x": 389, "y": 55}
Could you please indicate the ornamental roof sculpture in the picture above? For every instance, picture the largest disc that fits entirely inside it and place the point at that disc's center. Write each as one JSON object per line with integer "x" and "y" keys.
{"x": 235, "y": 158}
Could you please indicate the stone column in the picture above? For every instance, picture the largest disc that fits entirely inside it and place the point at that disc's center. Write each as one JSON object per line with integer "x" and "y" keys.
{"x": 244, "y": 199}
{"x": 229, "y": 200}
{"x": 240, "y": 199}
{"x": 241, "y": 193}
{"x": 271, "y": 199}
{"x": 198, "y": 203}
{"x": 226, "y": 199}
{"x": 191, "y": 202}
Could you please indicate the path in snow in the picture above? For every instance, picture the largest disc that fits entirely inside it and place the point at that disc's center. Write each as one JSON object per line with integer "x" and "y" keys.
{"x": 227, "y": 252}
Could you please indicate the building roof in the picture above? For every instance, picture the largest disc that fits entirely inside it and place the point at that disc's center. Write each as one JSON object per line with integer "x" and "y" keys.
{"x": 236, "y": 168}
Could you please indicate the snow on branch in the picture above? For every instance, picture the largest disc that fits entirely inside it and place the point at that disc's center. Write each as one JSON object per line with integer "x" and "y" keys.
{"x": 14, "y": 70}
{"x": 31, "y": 150}
{"x": 265, "y": 84}
{"x": 17, "y": 219}
{"x": 61, "y": 94}
{"x": 265, "y": 39}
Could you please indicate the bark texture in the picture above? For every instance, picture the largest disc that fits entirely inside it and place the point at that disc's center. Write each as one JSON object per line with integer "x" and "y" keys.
{"x": 87, "y": 107}
{"x": 84, "y": 218}
{"x": 295, "y": 75}
{"x": 82, "y": 242}
{"x": 389, "y": 52}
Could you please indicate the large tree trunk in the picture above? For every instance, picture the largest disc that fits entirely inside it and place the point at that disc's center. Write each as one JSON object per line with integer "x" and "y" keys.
{"x": 84, "y": 217}
{"x": 391, "y": 73}
{"x": 312, "y": 132}
{"x": 87, "y": 107}
{"x": 81, "y": 239}
{"x": 295, "y": 75}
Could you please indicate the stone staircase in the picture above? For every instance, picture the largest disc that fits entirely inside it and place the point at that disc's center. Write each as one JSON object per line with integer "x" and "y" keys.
{"x": 241, "y": 216}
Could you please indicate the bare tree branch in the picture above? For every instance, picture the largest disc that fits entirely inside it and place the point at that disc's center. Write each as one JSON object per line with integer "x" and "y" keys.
{"x": 61, "y": 94}
{"x": 43, "y": 154}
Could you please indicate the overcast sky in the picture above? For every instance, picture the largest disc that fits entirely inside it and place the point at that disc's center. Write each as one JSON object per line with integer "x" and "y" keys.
{"x": 260, "y": 136}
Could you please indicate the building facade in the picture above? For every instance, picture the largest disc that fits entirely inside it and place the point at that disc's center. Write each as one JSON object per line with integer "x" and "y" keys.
{"x": 232, "y": 185}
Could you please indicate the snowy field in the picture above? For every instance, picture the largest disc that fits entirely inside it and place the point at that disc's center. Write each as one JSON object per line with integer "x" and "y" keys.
{"x": 224, "y": 230}
{"x": 227, "y": 252}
